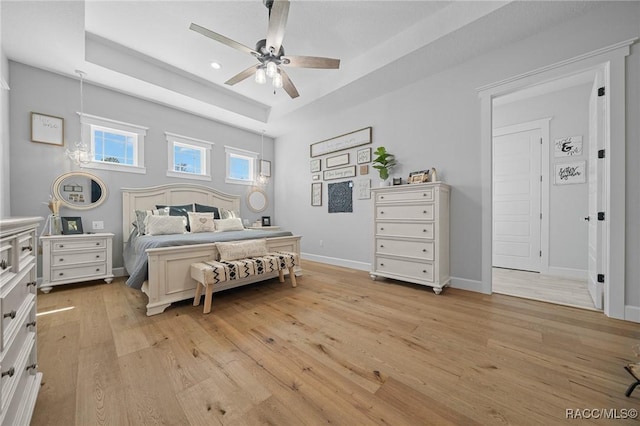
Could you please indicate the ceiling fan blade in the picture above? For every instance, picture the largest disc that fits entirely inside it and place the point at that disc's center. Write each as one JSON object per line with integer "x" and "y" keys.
{"x": 277, "y": 23}
{"x": 288, "y": 86}
{"x": 311, "y": 62}
{"x": 222, "y": 39}
{"x": 241, "y": 76}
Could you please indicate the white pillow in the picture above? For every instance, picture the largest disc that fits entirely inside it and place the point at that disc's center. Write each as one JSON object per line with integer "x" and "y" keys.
{"x": 141, "y": 215}
{"x": 163, "y": 225}
{"x": 228, "y": 214}
{"x": 242, "y": 249}
{"x": 201, "y": 222}
{"x": 234, "y": 224}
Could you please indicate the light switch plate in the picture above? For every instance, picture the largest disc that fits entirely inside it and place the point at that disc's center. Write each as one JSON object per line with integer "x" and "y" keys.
{"x": 98, "y": 225}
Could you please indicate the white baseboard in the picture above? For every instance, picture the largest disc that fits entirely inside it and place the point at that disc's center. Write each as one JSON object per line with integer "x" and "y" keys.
{"x": 632, "y": 313}
{"x": 361, "y": 266}
{"x": 574, "y": 274}
{"x": 465, "y": 284}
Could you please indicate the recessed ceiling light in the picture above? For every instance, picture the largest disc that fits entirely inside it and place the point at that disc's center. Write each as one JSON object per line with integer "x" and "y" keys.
{"x": 215, "y": 65}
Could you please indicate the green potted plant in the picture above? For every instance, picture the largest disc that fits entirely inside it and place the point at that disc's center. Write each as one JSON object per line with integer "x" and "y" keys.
{"x": 384, "y": 162}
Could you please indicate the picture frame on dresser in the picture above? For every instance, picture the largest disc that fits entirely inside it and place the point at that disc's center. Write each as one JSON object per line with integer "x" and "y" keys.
{"x": 71, "y": 225}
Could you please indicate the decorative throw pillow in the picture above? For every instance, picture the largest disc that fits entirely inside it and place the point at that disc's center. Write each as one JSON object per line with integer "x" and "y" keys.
{"x": 201, "y": 222}
{"x": 234, "y": 224}
{"x": 182, "y": 210}
{"x": 229, "y": 214}
{"x": 164, "y": 225}
{"x": 201, "y": 208}
{"x": 242, "y": 249}
{"x": 141, "y": 215}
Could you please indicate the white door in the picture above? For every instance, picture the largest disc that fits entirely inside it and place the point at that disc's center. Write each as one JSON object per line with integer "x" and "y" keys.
{"x": 516, "y": 199}
{"x": 597, "y": 111}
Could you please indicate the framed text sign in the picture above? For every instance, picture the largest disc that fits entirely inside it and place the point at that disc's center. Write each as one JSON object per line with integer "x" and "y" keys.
{"x": 339, "y": 143}
{"x": 568, "y": 173}
{"x": 567, "y": 147}
{"x": 343, "y": 172}
{"x": 47, "y": 129}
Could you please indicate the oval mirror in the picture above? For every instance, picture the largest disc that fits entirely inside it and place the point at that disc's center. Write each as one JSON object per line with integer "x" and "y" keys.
{"x": 257, "y": 200}
{"x": 79, "y": 190}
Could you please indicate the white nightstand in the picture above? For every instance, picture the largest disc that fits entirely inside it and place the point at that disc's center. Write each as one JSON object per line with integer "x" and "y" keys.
{"x": 70, "y": 259}
{"x": 266, "y": 228}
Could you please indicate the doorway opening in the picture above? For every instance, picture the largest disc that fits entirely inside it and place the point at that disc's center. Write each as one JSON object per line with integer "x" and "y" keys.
{"x": 540, "y": 191}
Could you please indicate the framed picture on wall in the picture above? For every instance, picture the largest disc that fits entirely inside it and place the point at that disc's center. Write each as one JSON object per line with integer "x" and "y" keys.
{"x": 314, "y": 165}
{"x": 316, "y": 194}
{"x": 265, "y": 168}
{"x": 47, "y": 129}
{"x": 568, "y": 173}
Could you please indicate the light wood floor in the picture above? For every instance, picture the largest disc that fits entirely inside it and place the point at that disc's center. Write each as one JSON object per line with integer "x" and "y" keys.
{"x": 545, "y": 288}
{"x": 338, "y": 349}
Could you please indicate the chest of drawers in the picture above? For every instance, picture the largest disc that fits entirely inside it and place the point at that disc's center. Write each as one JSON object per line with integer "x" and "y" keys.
{"x": 411, "y": 234}
{"x": 75, "y": 258}
{"x": 19, "y": 376}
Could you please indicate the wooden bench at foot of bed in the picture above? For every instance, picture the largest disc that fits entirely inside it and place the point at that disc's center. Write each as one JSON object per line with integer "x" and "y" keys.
{"x": 212, "y": 272}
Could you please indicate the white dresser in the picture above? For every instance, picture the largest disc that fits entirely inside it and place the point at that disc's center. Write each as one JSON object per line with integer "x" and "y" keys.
{"x": 20, "y": 379}
{"x": 75, "y": 258}
{"x": 411, "y": 234}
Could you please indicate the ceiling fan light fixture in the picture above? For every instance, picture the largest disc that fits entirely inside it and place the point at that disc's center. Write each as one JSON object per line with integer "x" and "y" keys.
{"x": 272, "y": 69}
{"x": 261, "y": 76}
{"x": 277, "y": 80}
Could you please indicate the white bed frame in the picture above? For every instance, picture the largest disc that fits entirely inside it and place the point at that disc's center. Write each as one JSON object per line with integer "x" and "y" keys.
{"x": 169, "y": 277}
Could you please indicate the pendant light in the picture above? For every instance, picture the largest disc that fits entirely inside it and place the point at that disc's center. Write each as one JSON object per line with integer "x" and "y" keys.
{"x": 81, "y": 154}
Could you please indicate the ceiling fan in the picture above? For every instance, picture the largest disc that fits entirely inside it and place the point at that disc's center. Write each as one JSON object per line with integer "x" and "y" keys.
{"x": 270, "y": 52}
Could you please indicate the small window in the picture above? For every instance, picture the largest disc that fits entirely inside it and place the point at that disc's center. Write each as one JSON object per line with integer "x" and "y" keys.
{"x": 188, "y": 157}
{"x": 241, "y": 166}
{"x": 115, "y": 145}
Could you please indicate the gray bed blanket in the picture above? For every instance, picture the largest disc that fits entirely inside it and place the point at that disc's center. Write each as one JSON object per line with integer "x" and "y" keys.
{"x": 136, "y": 259}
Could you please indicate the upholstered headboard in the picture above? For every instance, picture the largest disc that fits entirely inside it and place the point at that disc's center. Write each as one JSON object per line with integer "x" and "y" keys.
{"x": 171, "y": 194}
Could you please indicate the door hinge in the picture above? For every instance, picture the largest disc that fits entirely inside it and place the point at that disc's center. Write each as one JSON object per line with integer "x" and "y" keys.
{"x": 540, "y": 215}
{"x": 540, "y": 141}
{"x": 601, "y": 91}
{"x": 600, "y": 215}
{"x": 600, "y": 278}
{"x": 540, "y": 178}
{"x": 601, "y": 153}
{"x": 540, "y": 253}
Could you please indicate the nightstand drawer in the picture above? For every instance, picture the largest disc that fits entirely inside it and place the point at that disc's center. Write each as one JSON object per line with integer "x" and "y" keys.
{"x": 417, "y": 249}
{"x": 61, "y": 274}
{"x": 419, "y": 270}
{"x": 424, "y": 195}
{"x": 79, "y": 244}
{"x": 420, "y": 230}
{"x": 425, "y": 212}
{"x": 60, "y": 259}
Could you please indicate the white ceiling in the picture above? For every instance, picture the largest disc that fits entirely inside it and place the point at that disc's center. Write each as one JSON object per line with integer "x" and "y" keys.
{"x": 145, "y": 48}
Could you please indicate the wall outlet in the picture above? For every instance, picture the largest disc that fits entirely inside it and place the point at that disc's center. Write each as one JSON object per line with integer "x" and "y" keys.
{"x": 98, "y": 225}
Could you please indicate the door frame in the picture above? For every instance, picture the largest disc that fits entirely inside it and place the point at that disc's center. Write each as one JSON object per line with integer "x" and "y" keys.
{"x": 543, "y": 125}
{"x": 611, "y": 60}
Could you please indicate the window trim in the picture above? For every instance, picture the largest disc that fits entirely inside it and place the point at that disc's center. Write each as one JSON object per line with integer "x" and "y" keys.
{"x": 206, "y": 146}
{"x": 230, "y": 150}
{"x": 87, "y": 122}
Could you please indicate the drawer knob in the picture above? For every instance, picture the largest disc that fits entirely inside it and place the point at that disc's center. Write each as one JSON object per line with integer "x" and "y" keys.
{"x": 27, "y": 248}
{"x": 97, "y": 256}
{"x": 97, "y": 244}
{"x": 33, "y": 283}
{"x": 61, "y": 274}
{"x": 61, "y": 245}
{"x": 97, "y": 269}
{"x": 424, "y": 271}
{"x": 381, "y": 264}
{"x": 62, "y": 259}
{"x": 424, "y": 211}
{"x": 30, "y": 324}
{"x": 424, "y": 194}
{"x": 3, "y": 264}
{"x": 424, "y": 250}
{"x": 382, "y": 197}
{"x": 11, "y": 315}
{"x": 32, "y": 366}
{"x": 381, "y": 245}
{"x": 382, "y": 229}
{"x": 381, "y": 212}
{"x": 10, "y": 372}
{"x": 424, "y": 230}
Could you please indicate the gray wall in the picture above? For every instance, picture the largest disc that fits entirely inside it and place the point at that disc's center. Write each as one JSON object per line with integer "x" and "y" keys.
{"x": 568, "y": 204}
{"x": 34, "y": 166}
{"x": 435, "y": 122}
{"x": 4, "y": 139}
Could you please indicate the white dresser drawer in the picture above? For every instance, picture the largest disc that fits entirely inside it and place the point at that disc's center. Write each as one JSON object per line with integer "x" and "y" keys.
{"x": 24, "y": 382}
{"x": 61, "y": 259}
{"x": 11, "y": 303}
{"x": 26, "y": 245}
{"x": 419, "y": 270}
{"x": 391, "y": 229}
{"x": 423, "y": 195}
{"x": 15, "y": 360}
{"x": 417, "y": 249}
{"x": 425, "y": 212}
{"x": 87, "y": 271}
{"x": 71, "y": 244}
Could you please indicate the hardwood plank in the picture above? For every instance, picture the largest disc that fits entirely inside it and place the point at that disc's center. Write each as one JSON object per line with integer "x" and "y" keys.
{"x": 340, "y": 349}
